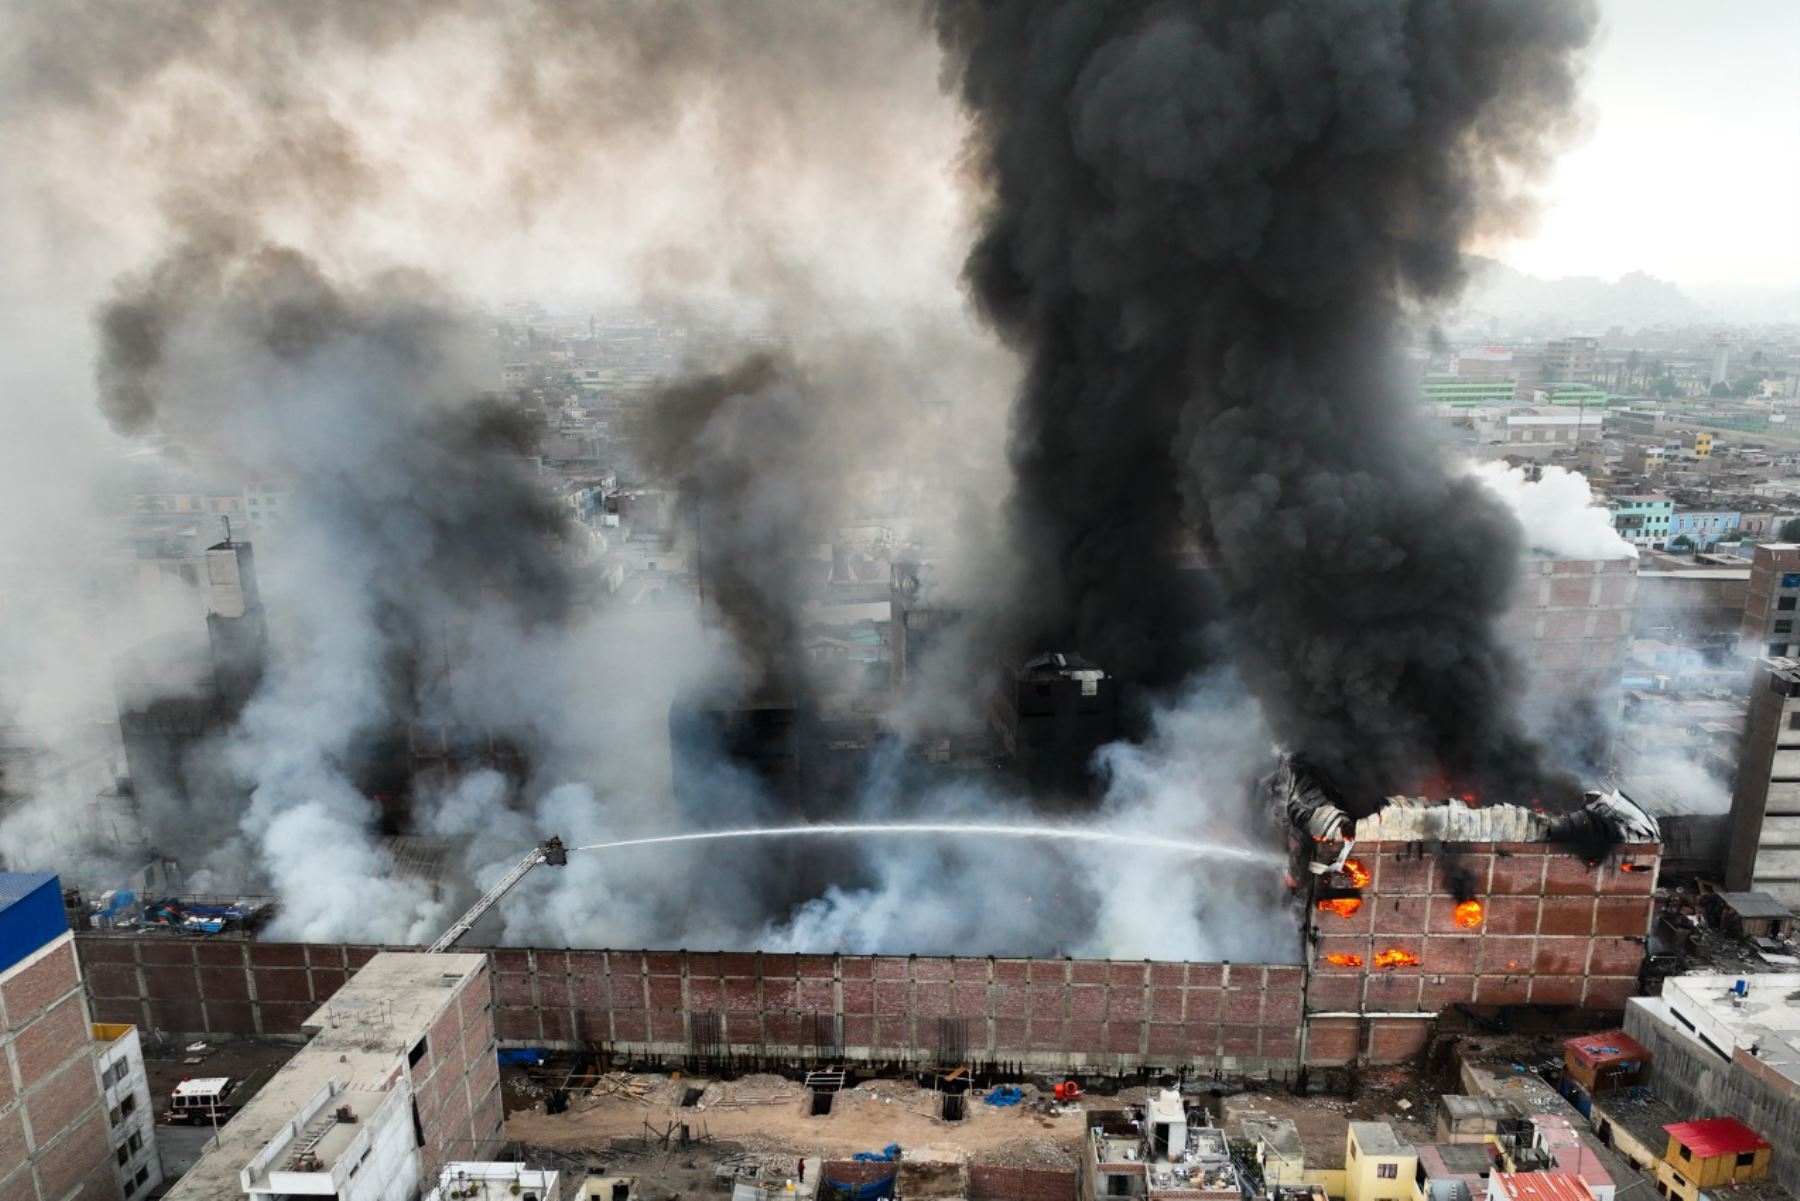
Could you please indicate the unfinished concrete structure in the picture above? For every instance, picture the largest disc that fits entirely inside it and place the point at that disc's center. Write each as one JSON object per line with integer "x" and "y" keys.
{"x": 1764, "y": 852}
{"x": 399, "y": 1077}
{"x": 1158, "y": 1149}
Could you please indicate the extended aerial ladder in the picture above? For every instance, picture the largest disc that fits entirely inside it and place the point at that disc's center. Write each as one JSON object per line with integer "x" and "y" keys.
{"x": 551, "y": 851}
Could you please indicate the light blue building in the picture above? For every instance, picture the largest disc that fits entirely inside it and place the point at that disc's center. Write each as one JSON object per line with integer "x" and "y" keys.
{"x": 1703, "y": 528}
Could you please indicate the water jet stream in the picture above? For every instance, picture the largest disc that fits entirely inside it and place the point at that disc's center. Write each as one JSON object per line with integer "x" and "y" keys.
{"x": 1142, "y": 842}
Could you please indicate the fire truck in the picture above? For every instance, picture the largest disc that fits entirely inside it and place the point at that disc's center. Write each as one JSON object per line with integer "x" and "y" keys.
{"x": 202, "y": 1102}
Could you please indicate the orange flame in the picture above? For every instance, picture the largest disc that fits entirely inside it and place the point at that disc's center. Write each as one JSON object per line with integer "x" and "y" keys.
{"x": 1468, "y": 915}
{"x": 1359, "y": 875}
{"x": 1396, "y": 958}
{"x": 1634, "y": 867}
{"x": 1342, "y": 906}
{"x": 1344, "y": 960}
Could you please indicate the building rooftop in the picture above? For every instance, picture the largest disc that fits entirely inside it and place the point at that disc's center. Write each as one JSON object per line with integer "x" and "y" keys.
{"x": 316, "y": 1139}
{"x": 1717, "y": 1136}
{"x": 1543, "y": 1186}
{"x": 1312, "y": 807}
{"x": 16, "y": 886}
{"x": 1764, "y": 1021}
{"x": 1754, "y": 904}
{"x": 1378, "y": 1138}
{"x": 1640, "y": 1113}
{"x": 31, "y": 915}
{"x": 1461, "y": 1108}
{"x": 1457, "y": 1159}
{"x": 357, "y": 1038}
{"x": 1609, "y": 1046}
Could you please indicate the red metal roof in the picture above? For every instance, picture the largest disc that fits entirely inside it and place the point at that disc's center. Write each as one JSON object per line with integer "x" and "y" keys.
{"x": 1543, "y": 1186}
{"x": 1609, "y": 1046}
{"x": 1717, "y": 1136}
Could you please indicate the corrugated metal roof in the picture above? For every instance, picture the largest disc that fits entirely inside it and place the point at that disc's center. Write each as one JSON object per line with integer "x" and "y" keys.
{"x": 31, "y": 915}
{"x": 1755, "y": 904}
{"x": 1717, "y": 1136}
{"x": 16, "y": 886}
{"x": 1542, "y": 1186}
{"x": 1609, "y": 1046}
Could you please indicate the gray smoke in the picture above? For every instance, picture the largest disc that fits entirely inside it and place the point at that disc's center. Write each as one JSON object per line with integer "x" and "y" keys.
{"x": 1205, "y": 224}
{"x": 283, "y": 172}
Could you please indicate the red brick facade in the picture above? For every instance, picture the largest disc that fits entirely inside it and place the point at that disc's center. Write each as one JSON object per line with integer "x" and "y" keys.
{"x": 53, "y": 1144}
{"x": 1553, "y": 931}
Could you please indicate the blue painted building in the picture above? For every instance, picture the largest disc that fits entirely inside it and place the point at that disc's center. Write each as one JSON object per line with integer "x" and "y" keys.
{"x": 31, "y": 915}
{"x": 1703, "y": 527}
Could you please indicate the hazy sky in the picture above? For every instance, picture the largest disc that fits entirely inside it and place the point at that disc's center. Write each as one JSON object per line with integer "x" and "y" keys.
{"x": 1691, "y": 166}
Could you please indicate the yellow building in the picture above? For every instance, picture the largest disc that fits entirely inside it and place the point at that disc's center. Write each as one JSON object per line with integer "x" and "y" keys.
{"x": 1377, "y": 1165}
{"x": 1708, "y": 1154}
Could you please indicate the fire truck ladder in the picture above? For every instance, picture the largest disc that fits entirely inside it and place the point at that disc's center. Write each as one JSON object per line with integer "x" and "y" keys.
{"x": 551, "y": 851}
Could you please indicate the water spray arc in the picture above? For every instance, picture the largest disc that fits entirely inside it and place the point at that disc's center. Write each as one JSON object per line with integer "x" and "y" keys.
{"x": 1144, "y": 842}
{"x": 553, "y": 850}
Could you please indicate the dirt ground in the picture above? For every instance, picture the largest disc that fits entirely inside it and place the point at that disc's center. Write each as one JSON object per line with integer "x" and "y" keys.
{"x": 769, "y": 1114}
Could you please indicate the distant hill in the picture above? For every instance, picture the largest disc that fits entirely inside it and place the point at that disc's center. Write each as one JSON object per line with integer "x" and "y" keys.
{"x": 1530, "y": 304}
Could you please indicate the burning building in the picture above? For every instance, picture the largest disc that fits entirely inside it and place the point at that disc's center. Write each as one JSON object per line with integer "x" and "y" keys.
{"x": 1428, "y": 903}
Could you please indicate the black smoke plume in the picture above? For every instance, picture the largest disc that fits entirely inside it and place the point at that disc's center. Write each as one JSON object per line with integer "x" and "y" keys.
{"x": 1206, "y": 224}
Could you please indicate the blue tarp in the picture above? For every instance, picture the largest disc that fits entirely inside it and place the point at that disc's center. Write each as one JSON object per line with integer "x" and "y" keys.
{"x": 887, "y": 1154}
{"x": 874, "y": 1190}
{"x": 523, "y": 1057}
{"x": 1006, "y": 1094}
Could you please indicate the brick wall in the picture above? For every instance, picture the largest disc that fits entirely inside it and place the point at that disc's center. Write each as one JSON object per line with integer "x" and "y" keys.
{"x": 53, "y": 1141}
{"x": 992, "y": 1182}
{"x": 1040, "y": 1014}
{"x": 1051, "y": 1014}
{"x": 456, "y": 1084}
{"x": 1554, "y": 931}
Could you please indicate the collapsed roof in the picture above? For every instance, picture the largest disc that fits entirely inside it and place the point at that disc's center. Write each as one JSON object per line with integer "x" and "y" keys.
{"x": 1313, "y": 809}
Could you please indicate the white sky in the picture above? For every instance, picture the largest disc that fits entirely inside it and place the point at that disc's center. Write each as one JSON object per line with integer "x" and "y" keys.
{"x": 1691, "y": 166}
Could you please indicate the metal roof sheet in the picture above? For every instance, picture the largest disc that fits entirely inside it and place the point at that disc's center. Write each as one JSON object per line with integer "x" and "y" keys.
{"x": 1609, "y": 1046}
{"x": 1717, "y": 1136}
{"x": 1542, "y": 1186}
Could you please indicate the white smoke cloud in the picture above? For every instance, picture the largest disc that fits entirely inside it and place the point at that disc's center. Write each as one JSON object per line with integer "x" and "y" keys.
{"x": 1193, "y": 779}
{"x": 1558, "y": 510}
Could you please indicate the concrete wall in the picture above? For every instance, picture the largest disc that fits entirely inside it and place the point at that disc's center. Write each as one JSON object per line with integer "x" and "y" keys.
{"x": 1700, "y": 1084}
{"x": 1051, "y": 1014}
